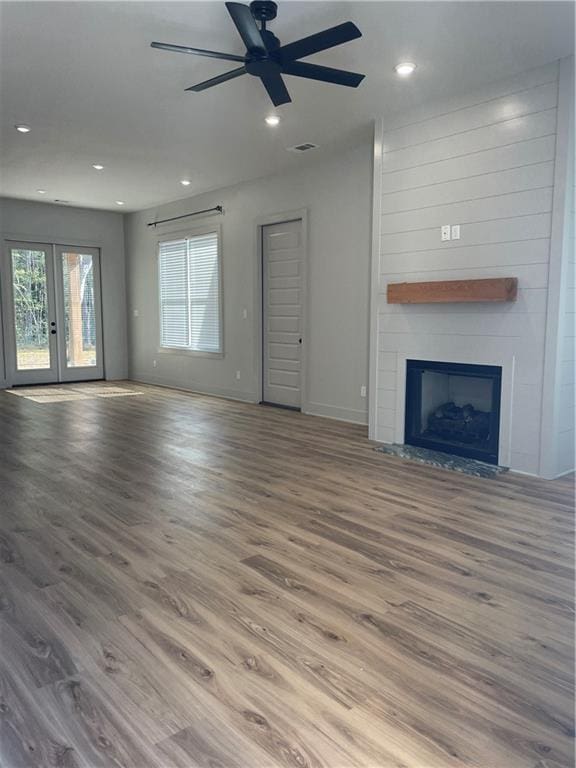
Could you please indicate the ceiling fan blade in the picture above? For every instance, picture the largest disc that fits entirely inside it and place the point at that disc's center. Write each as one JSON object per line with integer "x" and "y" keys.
{"x": 320, "y": 41}
{"x": 276, "y": 89}
{"x": 246, "y": 26}
{"x": 325, "y": 74}
{"x": 217, "y": 80}
{"x": 196, "y": 51}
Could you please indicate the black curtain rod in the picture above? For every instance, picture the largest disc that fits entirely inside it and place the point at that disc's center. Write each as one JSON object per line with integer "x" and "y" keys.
{"x": 217, "y": 208}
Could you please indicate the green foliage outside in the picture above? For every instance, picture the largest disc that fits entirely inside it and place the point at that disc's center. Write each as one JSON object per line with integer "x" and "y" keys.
{"x": 30, "y": 304}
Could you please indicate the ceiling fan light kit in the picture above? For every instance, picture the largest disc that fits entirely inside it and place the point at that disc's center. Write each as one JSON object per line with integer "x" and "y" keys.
{"x": 266, "y": 59}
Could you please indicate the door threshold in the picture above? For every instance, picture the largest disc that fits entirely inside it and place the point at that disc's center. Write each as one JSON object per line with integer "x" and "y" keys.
{"x": 54, "y": 383}
{"x": 280, "y": 405}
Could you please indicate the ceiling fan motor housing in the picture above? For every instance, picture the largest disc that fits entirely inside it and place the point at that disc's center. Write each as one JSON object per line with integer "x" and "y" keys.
{"x": 270, "y": 40}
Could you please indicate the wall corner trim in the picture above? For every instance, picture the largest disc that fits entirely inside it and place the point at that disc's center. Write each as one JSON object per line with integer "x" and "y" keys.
{"x": 564, "y": 157}
{"x": 375, "y": 278}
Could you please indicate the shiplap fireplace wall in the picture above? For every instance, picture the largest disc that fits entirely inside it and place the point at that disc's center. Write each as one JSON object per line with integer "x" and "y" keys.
{"x": 497, "y": 162}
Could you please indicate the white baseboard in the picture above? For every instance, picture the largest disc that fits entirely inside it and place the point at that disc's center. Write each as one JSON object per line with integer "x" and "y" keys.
{"x": 335, "y": 412}
{"x": 227, "y": 394}
{"x": 313, "y": 409}
{"x": 564, "y": 473}
{"x": 541, "y": 477}
{"x": 524, "y": 473}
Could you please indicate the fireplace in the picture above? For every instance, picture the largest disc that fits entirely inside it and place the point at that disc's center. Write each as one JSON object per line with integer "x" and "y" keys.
{"x": 454, "y": 408}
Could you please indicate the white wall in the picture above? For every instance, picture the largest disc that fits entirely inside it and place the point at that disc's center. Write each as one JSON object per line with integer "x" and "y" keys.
{"x": 336, "y": 194}
{"x": 484, "y": 161}
{"x": 46, "y": 223}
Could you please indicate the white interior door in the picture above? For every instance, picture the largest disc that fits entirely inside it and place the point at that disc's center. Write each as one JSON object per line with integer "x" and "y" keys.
{"x": 30, "y": 317}
{"x": 282, "y": 272}
{"x": 53, "y": 315}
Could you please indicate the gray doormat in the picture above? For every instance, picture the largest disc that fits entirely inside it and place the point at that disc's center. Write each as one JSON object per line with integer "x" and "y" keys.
{"x": 442, "y": 460}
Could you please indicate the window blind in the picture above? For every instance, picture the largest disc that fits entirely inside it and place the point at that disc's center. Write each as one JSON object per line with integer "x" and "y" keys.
{"x": 190, "y": 293}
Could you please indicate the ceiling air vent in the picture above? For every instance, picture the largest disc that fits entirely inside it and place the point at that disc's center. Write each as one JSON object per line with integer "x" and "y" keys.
{"x": 303, "y": 147}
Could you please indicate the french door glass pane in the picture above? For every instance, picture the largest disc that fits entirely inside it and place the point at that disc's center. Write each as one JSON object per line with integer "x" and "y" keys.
{"x": 29, "y": 286}
{"x": 79, "y": 314}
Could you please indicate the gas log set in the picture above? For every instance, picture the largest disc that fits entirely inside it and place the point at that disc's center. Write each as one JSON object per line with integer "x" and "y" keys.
{"x": 464, "y": 424}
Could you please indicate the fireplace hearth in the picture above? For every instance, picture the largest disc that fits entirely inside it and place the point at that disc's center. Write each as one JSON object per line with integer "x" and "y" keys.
{"x": 453, "y": 408}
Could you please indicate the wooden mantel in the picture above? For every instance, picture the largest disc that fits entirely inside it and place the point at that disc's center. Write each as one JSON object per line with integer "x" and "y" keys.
{"x": 453, "y": 291}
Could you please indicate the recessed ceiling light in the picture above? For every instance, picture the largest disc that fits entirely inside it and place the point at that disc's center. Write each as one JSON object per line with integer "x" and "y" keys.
{"x": 23, "y": 128}
{"x": 119, "y": 202}
{"x": 185, "y": 183}
{"x": 272, "y": 120}
{"x": 98, "y": 167}
{"x": 405, "y": 68}
{"x": 41, "y": 191}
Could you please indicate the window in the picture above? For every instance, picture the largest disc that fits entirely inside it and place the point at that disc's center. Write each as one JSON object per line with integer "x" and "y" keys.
{"x": 190, "y": 313}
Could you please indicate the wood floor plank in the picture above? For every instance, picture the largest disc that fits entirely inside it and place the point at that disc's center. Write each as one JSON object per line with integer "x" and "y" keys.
{"x": 189, "y": 582}
{"x": 29, "y": 735}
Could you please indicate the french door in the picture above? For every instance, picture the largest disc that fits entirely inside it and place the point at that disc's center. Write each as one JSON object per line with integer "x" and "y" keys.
{"x": 53, "y": 319}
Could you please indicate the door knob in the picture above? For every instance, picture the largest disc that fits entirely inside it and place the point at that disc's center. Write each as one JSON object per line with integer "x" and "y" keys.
{"x": 299, "y": 341}
{"x": 53, "y": 324}
{"x": 53, "y": 331}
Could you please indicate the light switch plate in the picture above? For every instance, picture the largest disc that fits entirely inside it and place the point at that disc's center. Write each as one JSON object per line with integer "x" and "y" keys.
{"x": 455, "y": 231}
{"x": 445, "y": 232}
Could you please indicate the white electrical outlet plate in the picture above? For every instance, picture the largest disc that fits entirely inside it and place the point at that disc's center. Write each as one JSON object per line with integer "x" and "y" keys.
{"x": 455, "y": 232}
{"x": 445, "y": 232}
{"x": 244, "y": 314}
{"x": 238, "y": 375}
{"x": 136, "y": 313}
{"x": 362, "y": 391}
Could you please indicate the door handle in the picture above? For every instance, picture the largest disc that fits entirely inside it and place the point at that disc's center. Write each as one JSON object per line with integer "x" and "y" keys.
{"x": 299, "y": 341}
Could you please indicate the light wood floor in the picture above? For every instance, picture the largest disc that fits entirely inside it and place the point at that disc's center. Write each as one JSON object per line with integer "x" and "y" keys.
{"x": 186, "y": 582}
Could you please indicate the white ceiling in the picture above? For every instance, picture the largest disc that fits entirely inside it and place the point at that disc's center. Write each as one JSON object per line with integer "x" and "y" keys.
{"x": 83, "y": 76}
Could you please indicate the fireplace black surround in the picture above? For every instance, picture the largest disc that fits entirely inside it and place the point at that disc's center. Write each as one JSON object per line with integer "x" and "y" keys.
{"x": 454, "y": 408}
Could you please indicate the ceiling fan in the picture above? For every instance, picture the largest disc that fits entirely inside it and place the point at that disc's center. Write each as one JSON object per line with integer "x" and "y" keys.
{"x": 267, "y": 59}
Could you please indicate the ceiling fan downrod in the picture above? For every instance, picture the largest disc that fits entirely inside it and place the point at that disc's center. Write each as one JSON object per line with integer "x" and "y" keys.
{"x": 263, "y": 11}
